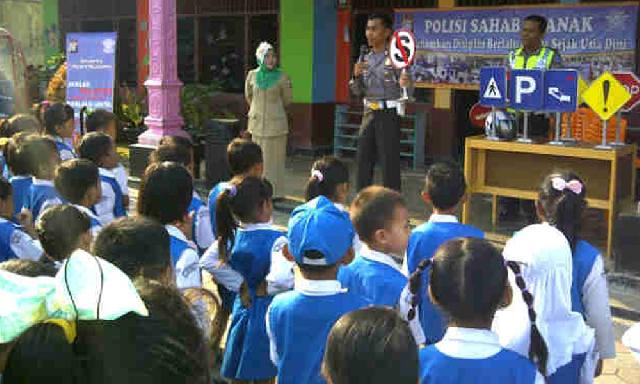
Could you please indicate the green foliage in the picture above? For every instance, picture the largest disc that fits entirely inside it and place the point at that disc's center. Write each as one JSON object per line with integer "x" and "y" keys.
{"x": 197, "y": 106}
{"x": 132, "y": 108}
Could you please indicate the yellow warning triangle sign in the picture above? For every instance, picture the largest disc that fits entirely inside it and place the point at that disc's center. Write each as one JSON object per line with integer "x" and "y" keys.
{"x": 582, "y": 86}
{"x": 606, "y": 96}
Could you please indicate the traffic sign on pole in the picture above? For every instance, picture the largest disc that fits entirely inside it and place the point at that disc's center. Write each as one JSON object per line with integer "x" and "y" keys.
{"x": 632, "y": 84}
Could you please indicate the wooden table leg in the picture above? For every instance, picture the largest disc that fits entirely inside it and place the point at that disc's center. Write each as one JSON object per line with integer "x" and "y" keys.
{"x": 494, "y": 211}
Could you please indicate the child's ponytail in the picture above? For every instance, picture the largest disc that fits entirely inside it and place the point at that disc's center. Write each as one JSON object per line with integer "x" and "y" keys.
{"x": 326, "y": 175}
{"x": 225, "y": 222}
{"x": 563, "y": 199}
{"x": 538, "y": 352}
{"x": 415, "y": 285}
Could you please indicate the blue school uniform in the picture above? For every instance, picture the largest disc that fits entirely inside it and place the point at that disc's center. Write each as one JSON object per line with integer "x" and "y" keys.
{"x": 96, "y": 225}
{"x": 111, "y": 204}
{"x": 20, "y": 186}
{"x": 584, "y": 256}
{"x": 423, "y": 243}
{"x": 246, "y": 355}
{"x": 374, "y": 276}
{"x": 202, "y": 235}
{"x": 227, "y": 296}
{"x": 505, "y": 367}
{"x": 65, "y": 150}
{"x": 16, "y": 244}
{"x": 184, "y": 258}
{"x": 42, "y": 194}
{"x": 299, "y": 323}
{"x": 212, "y": 202}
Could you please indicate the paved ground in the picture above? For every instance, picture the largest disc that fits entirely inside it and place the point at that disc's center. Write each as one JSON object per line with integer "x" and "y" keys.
{"x": 625, "y": 294}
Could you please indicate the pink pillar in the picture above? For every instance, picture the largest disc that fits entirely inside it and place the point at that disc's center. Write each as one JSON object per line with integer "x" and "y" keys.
{"x": 163, "y": 84}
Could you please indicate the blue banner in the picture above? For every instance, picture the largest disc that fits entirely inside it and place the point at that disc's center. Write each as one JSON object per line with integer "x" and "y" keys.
{"x": 91, "y": 70}
{"x": 454, "y": 44}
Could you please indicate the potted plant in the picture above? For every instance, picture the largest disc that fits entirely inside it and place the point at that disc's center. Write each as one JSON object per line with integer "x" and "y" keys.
{"x": 131, "y": 112}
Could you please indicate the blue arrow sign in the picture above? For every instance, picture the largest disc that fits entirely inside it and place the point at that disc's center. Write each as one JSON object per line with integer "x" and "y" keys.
{"x": 493, "y": 86}
{"x": 561, "y": 90}
{"x": 526, "y": 90}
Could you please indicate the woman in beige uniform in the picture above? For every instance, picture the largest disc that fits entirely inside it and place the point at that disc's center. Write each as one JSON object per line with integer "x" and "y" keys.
{"x": 268, "y": 93}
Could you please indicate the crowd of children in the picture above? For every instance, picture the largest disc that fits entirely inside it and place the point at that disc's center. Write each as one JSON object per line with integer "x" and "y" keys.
{"x": 346, "y": 294}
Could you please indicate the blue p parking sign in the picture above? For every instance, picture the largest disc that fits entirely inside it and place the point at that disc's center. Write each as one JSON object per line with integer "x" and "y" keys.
{"x": 526, "y": 89}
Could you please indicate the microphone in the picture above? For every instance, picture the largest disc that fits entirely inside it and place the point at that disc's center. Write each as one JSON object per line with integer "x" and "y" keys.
{"x": 364, "y": 49}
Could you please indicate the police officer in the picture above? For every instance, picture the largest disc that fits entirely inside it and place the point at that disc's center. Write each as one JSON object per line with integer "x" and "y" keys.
{"x": 534, "y": 55}
{"x": 380, "y": 84}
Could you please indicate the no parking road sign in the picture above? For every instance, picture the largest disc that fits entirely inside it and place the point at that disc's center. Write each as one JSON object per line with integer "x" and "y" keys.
{"x": 402, "y": 50}
{"x": 493, "y": 86}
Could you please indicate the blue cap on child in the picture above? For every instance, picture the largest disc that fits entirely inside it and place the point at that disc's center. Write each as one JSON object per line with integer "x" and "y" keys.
{"x": 319, "y": 226}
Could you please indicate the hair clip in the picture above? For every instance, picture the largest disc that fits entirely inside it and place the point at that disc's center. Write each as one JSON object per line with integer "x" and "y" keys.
{"x": 560, "y": 184}
{"x": 317, "y": 175}
{"x": 232, "y": 190}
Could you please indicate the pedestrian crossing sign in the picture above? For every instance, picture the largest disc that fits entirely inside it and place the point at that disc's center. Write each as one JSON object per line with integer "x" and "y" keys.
{"x": 493, "y": 86}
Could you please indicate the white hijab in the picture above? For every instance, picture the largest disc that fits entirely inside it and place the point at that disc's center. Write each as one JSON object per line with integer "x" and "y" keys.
{"x": 544, "y": 256}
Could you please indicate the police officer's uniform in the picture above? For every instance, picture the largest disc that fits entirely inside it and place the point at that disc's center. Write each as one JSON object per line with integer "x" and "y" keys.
{"x": 544, "y": 58}
{"x": 380, "y": 130}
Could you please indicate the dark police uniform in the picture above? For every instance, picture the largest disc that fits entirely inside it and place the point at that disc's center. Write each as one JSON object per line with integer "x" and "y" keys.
{"x": 380, "y": 130}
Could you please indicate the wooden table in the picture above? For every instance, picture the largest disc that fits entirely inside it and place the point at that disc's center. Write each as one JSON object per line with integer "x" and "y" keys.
{"x": 513, "y": 169}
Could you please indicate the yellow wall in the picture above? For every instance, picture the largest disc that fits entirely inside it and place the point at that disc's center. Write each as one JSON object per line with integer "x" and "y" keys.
{"x": 23, "y": 19}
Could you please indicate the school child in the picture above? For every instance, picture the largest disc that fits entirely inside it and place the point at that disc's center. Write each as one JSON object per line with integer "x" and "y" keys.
{"x": 138, "y": 246}
{"x": 298, "y": 322}
{"x": 247, "y": 241}
{"x": 18, "y": 166}
{"x": 15, "y": 241}
{"x": 171, "y": 182}
{"x": 104, "y": 121}
{"x": 561, "y": 203}
{"x": 370, "y": 346}
{"x": 444, "y": 190}
{"x": 59, "y": 125}
{"x": 381, "y": 219}
{"x": 28, "y": 268}
{"x": 78, "y": 183}
{"x": 20, "y": 123}
{"x": 181, "y": 152}
{"x": 245, "y": 159}
{"x": 468, "y": 281}
{"x": 42, "y": 158}
{"x": 543, "y": 255}
{"x": 63, "y": 229}
{"x": 101, "y": 150}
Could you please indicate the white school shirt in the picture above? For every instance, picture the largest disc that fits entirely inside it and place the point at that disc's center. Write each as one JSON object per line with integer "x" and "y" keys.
{"x": 122, "y": 178}
{"x": 104, "y": 208}
{"x": 95, "y": 230}
{"x": 187, "y": 268}
{"x": 544, "y": 255}
{"x": 203, "y": 234}
{"x": 279, "y": 279}
{"x": 404, "y": 304}
{"x": 308, "y": 288}
{"x": 476, "y": 344}
{"x": 23, "y": 245}
{"x": 595, "y": 298}
{"x": 631, "y": 339}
